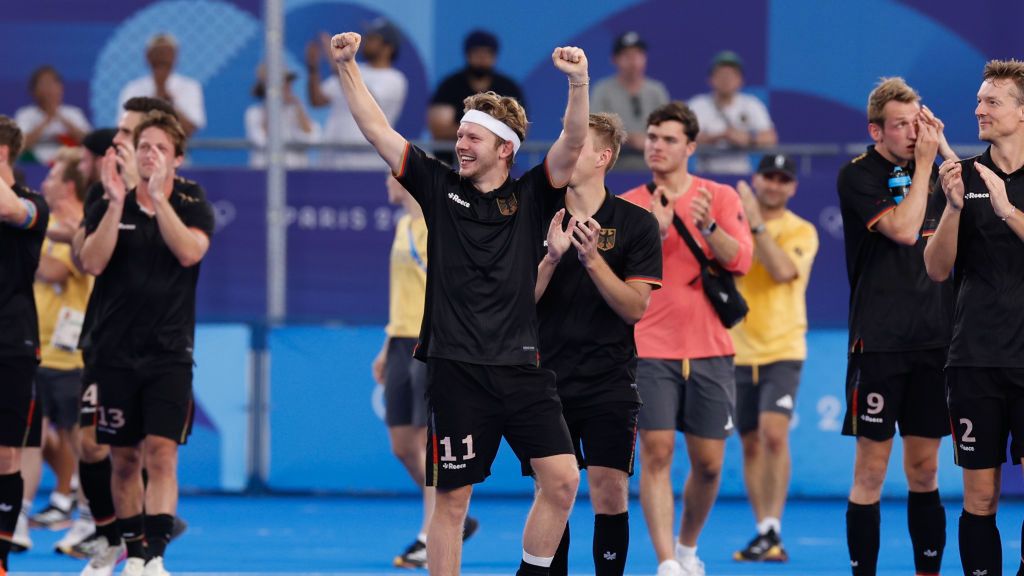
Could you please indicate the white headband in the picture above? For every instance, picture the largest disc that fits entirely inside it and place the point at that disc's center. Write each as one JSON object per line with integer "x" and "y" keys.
{"x": 499, "y": 128}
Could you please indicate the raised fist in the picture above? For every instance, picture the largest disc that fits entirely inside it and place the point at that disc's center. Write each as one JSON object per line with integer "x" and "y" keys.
{"x": 344, "y": 46}
{"x": 572, "y": 61}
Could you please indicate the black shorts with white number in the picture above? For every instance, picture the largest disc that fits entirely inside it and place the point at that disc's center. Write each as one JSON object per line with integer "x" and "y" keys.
{"x": 90, "y": 400}
{"x": 472, "y": 406}
{"x": 986, "y": 405}
{"x": 886, "y": 388}
{"x": 137, "y": 403}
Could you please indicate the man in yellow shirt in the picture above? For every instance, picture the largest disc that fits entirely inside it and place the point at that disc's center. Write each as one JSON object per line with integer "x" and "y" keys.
{"x": 61, "y": 294}
{"x": 771, "y": 346}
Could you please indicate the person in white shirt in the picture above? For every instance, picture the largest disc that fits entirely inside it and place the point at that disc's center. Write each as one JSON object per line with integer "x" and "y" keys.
{"x": 184, "y": 93}
{"x": 389, "y": 86}
{"x": 48, "y": 123}
{"x": 730, "y": 119}
{"x": 298, "y": 128}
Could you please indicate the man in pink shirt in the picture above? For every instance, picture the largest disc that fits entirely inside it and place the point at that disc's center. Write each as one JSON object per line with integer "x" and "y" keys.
{"x": 685, "y": 373}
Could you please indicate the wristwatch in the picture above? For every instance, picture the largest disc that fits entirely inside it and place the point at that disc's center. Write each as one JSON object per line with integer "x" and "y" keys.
{"x": 755, "y": 230}
{"x": 710, "y": 229}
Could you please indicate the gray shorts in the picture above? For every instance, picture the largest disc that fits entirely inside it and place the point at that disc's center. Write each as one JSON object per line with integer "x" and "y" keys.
{"x": 405, "y": 385}
{"x": 765, "y": 388}
{"x": 59, "y": 391}
{"x": 693, "y": 396}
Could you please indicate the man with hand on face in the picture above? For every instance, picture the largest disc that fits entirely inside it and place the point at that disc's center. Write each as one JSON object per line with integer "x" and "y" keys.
{"x": 479, "y": 334}
{"x": 596, "y": 280}
{"x": 144, "y": 246}
{"x": 184, "y": 94}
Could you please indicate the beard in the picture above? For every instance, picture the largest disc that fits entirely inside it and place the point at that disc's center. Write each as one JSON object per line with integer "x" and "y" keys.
{"x": 478, "y": 72}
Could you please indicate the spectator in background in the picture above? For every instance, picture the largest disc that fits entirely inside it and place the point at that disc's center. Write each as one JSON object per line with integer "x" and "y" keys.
{"x": 298, "y": 128}
{"x": 182, "y": 92}
{"x": 381, "y": 41}
{"x": 479, "y": 75}
{"x": 49, "y": 124}
{"x": 630, "y": 93}
{"x": 730, "y": 119}
{"x": 94, "y": 146}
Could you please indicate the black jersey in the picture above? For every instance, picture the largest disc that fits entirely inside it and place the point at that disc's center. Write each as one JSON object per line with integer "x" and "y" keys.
{"x": 142, "y": 311}
{"x": 589, "y": 346}
{"x": 988, "y": 321}
{"x": 894, "y": 306}
{"x": 19, "y": 258}
{"x": 483, "y": 254}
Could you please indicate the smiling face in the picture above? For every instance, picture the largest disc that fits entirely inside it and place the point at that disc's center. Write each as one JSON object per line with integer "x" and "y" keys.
{"x": 774, "y": 189}
{"x": 896, "y": 138}
{"x": 667, "y": 149}
{"x": 999, "y": 111}
{"x": 479, "y": 151}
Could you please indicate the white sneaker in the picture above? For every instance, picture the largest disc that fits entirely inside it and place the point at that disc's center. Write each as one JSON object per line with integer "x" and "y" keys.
{"x": 105, "y": 560}
{"x": 20, "y": 540}
{"x": 79, "y": 531}
{"x": 155, "y": 567}
{"x": 692, "y": 566}
{"x": 670, "y": 567}
{"x": 134, "y": 567}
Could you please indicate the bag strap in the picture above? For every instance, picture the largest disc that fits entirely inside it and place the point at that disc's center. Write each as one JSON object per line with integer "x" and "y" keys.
{"x": 677, "y": 223}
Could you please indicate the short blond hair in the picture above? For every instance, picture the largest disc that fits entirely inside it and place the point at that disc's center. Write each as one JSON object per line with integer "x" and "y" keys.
{"x": 610, "y": 134}
{"x": 70, "y": 157}
{"x": 894, "y": 89}
{"x": 1012, "y": 70}
{"x": 505, "y": 109}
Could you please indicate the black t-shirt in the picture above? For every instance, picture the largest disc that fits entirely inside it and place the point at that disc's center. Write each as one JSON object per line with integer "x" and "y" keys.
{"x": 588, "y": 345}
{"x": 19, "y": 258}
{"x": 483, "y": 254}
{"x": 456, "y": 88}
{"x": 988, "y": 321}
{"x": 894, "y": 306}
{"x": 142, "y": 311}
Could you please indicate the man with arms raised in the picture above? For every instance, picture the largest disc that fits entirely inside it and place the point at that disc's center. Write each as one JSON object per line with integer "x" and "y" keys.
{"x": 479, "y": 334}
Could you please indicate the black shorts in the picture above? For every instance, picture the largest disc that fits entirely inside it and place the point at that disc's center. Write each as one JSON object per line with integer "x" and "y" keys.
{"x": 405, "y": 385}
{"x": 135, "y": 403}
{"x": 59, "y": 391}
{"x": 89, "y": 399}
{"x": 986, "y": 405}
{"x": 20, "y": 418}
{"x": 472, "y": 406}
{"x": 765, "y": 388}
{"x": 602, "y": 434}
{"x": 886, "y": 388}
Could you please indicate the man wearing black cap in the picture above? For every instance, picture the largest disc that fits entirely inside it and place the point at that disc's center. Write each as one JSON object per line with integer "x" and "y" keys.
{"x": 630, "y": 93}
{"x": 771, "y": 346}
{"x": 388, "y": 85}
{"x": 730, "y": 119}
{"x": 94, "y": 146}
{"x": 445, "y": 112}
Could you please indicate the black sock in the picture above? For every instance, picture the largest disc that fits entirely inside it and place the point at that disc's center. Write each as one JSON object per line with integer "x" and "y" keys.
{"x": 158, "y": 533}
{"x": 531, "y": 570}
{"x": 95, "y": 481}
{"x": 611, "y": 542}
{"x": 926, "y": 519}
{"x": 133, "y": 532}
{"x": 863, "y": 531}
{"x": 560, "y": 563}
{"x": 11, "y": 488}
{"x": 981, "y": 551}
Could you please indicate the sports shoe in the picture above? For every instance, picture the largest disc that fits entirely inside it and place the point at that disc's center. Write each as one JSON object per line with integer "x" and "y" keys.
{"x": 106, "y": 559}
{"x": 52, "y": 518}
{"x": 81, "y": 529}
{"x": 133, "y": 567}
{"x": 20, "y": 540}
{"x": 670, "y": 567}
{"x": 763, "y": 548}
{"x": 90, "y": 547}
{"x": 692, "y": 566}
{"x": 469, "y": 527}
{"x": 179, "y": 528}
{"x": 155, "y": 567}
{"x": 415, "y": 556}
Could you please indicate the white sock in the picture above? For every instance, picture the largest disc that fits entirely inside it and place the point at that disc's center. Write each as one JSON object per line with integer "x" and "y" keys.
{"x": 769, "y": 523}
{"x": 537, "y": 560}
{"x": 669, "y": 561}
{"x": 62, "y": 501}
{"x": 26, "y": 507}
{"x": 422, "y": 537}
{"x": 683, "y": 552}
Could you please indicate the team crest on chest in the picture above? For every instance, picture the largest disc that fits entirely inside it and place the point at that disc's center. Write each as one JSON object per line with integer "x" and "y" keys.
{"x": 508, "y": 206}
{"x": 606, "y": 239}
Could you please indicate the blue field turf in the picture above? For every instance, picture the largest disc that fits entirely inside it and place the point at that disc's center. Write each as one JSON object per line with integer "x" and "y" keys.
{"x": 350, "y": 536}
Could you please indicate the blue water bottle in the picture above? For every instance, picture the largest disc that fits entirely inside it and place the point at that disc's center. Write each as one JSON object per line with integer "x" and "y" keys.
{"x": 899, "y": 184}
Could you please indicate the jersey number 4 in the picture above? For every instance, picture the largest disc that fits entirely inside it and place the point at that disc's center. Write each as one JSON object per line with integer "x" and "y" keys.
{"x": 446, "y": 442}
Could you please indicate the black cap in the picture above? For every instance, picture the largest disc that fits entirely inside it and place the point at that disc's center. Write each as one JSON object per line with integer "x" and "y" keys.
{"x": 777, "y": 164}
{"x": 386, "y": 30}
{"x": 628, "y": 40}
{"x": 99, "y": 140}
{"x": 480, "y": 39}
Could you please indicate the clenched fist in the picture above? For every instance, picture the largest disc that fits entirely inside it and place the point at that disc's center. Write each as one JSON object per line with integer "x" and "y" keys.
{"x": 344, "y": 46}
{"x": 572, "y": 61}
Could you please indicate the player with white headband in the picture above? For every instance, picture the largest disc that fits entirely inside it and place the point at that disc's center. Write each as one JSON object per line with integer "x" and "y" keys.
{"x": 479, "y": 333}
